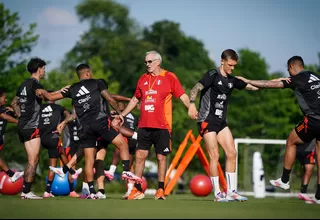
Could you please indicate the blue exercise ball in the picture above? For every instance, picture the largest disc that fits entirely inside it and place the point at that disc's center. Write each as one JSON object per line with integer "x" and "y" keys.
{"x": 60, "y": 186}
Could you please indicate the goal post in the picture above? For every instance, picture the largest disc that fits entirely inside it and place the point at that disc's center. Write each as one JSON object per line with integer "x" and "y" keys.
{"x": 238, "y": 141}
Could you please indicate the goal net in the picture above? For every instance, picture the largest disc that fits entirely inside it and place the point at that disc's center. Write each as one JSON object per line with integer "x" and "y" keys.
{"x": 272, "y": 151}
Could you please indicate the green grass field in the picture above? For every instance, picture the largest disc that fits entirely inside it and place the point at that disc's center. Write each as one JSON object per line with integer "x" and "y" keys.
{"x": 176, "y": 206}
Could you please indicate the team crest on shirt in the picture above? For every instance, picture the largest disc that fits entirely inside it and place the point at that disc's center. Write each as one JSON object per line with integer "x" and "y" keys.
{"x": 230, "y": 85}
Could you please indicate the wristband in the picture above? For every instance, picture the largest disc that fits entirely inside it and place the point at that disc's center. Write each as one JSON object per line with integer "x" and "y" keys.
{"x": 192, "y": 101}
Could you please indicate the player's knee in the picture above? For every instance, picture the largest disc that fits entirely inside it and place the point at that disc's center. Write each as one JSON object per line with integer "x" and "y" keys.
{"x": 231, "y": 155}
{"x": 161, "y": 158}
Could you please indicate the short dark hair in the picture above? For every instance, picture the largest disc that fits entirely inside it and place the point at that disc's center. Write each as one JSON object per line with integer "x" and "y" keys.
{"x": 296, "y": 60}
{"x": 229, "y": 53}
{"x": 34, "y": 64}
{"x": 2, "y": 91}
{"x": 82, "y": 67}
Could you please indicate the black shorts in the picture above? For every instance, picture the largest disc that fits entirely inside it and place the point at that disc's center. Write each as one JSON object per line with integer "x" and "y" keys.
{"x": 159, "y": 138}
{"x": 28, "y": 134}
{"x": 72, "y": 150}
{"x": 306, "y": 157}
{"x": 205, "y": 127}
{"x": 308, "y": 129}
{"x": 53, "y": 145}
{"x": 305, "y": 153}
{"x": 93, "y": 130}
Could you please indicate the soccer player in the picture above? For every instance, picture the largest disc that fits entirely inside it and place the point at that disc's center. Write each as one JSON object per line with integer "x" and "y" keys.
{"x": 6, "y": 115}
{"x": 305, "y": 85}
{"x": 216, "y": 87}
{"x": 154, "y": 90}
{"x": 306, "y": 157}
{"x": 26, "y": 105}
{"x": 130, "y": 122}
{"x": 51, "y": 114}
{"x": 87, "y": 98}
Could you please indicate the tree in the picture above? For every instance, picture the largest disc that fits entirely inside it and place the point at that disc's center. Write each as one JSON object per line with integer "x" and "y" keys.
{"x": 15, "y": 44}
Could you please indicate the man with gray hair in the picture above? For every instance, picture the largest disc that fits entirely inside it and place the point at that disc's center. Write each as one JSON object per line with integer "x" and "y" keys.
{"x": 154, "y": 91}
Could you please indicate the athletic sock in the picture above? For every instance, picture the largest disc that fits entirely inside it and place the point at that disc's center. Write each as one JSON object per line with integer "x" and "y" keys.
{"x": 91, "y": 187}
{"x": 26, "y": 187}
{"x": 125, "y": 165}
{"x": 138, "y": 186}
{"x": 48, "y": 186}
{"x": 9, "y": 172}
{"x": 317, "y": 196}
{"x": 161, "y": 185}
{"x": 285, "y": 175}
{"x": 304, "y": 188}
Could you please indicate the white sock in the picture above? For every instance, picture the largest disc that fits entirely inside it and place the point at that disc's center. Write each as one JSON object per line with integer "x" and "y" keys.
{"x": 130, "y": 186}
{"x": 215, "y": 184}
{"x": 135, "y": 135}
{"x": 112, "y": 169}
{"x": 85, "y": 188}
{"x": 231, "y": 181}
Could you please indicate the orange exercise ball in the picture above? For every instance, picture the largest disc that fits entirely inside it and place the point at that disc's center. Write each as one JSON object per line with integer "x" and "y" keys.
{"x": 200, "y": 185}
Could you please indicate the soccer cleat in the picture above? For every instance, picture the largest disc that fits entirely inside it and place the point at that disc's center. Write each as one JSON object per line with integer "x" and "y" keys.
{"x": 135, "y": 194}
{"x": 220, "y": 198}
{"x": 47, "y": 195}
{"x": 127, "y": 175}
{"x": 108, "y": 174}
{"x": 304, "y": 196}
{"x": 73, "y": 194}
{"x": 29, "y": 195}
{"x": 84, "y": 196}
{"x": 57, "y": 170}
{"x": 17, "y": 175}
{"x": 92, "y": 196}
{"x": 279, "y": 183}
{"x": 159, "y": 195}
{"x": 75, "y": 176}
{"x": 234, "y": 196}
{"x": 100, "y": 195}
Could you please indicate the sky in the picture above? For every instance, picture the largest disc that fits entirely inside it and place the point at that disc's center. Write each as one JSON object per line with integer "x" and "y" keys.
{"x": 276, "y": 29}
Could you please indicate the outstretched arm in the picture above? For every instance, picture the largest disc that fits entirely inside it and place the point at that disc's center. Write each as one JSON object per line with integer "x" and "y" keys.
{"x": 273, "y": 84}
{"x": 133, "y": 103}
{"x": 8, "y": 118}
{"x": 120, "y": 97}
{"x": 15, "y": 106}
{"x": 192, "y": 111}
{"x": 251, "y": 87}
{"x": 185, "y": 99}
{"x": 51, "y": 96}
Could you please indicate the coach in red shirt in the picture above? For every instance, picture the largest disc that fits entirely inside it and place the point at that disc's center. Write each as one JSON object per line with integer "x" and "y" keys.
{"x": 154, "y": 90}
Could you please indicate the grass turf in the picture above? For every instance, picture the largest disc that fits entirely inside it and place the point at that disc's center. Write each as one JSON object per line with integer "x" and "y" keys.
{"x": 176, "y": 206}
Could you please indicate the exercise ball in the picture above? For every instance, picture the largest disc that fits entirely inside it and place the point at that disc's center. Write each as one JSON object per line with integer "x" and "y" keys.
{"x": 60, "y": 186}
{"x": 144, "y": 184}
{"x": 9, "y": 188}
{"x": 200, "y": 185}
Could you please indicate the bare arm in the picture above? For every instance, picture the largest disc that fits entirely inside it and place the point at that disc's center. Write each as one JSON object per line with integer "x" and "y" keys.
{"x": 15, "y": 106}
{"x": 51, "y": 96}
{"x": 68, "y": 118}
{"x": 8, "y": 118}
{"x": 120, "y": 97}
{"x": 108, "y": 96}
{"x": 273, "y": 84}
{"x": 251, "y": 87}
{"x": 192, "y": 110}
{"x": 266, "y": 84}
{"x": 185, "y": 99}
{"x": 131, "y": 105}
{"x": 194, "y": 91}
